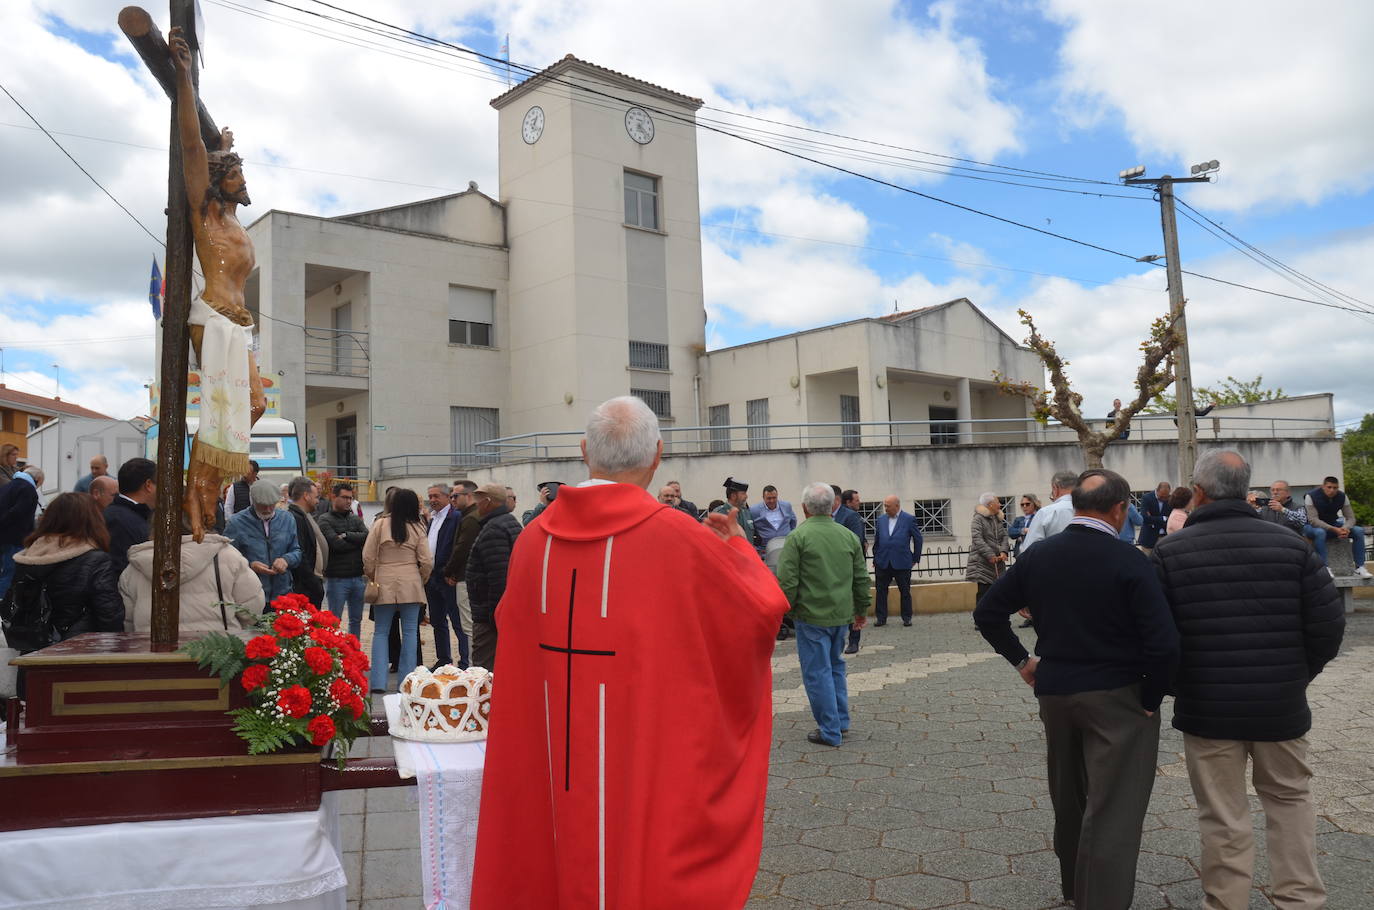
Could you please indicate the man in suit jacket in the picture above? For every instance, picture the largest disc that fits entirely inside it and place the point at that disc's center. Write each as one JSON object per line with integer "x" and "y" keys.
{"x": 896, "y": 549}
{"x": 1154, "y": 509}
{"x": 847, "y": 514}
{"x": 773, "y": 517}
{"x": 443, "y": 601}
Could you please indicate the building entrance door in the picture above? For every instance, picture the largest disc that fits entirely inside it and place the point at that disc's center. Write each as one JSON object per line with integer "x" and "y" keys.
{"x": 849, "y": 417}
{"x": 346, "y": 445}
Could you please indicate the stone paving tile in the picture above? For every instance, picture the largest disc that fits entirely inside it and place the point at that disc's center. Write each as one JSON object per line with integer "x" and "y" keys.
{"x": 938, "y": 799}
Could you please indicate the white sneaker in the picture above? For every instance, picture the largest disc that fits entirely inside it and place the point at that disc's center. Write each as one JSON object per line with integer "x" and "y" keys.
{"x": 1363, "y": 572}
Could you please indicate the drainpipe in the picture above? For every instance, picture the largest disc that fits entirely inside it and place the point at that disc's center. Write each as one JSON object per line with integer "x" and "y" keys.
{"x": 696, "y": 399}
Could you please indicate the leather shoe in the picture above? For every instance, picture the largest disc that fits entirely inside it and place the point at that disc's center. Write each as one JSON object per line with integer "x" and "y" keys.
{"x": 906, "y": 622}
{"x": 851, "y": 649}
{"x": 880, "y": 623}
{"x": 815, "y": 737}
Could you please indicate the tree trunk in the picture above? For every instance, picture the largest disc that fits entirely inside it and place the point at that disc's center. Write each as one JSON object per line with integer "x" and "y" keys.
{"x": 1092, "y": 456}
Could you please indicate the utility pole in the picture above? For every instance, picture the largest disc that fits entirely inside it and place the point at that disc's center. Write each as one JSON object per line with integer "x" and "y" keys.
{"x": 1183, "y": 368}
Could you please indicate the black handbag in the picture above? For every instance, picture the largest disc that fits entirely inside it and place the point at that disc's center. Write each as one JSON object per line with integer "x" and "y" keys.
{"x": 26, "y": 616}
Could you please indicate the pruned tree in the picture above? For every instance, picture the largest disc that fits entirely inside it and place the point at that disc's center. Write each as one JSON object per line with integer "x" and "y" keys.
{"x": 1060, "y": 401}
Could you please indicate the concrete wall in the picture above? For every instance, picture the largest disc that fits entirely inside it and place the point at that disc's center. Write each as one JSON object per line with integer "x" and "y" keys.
{"x": 471, "y": 216}
{"x": 403, "y": 282}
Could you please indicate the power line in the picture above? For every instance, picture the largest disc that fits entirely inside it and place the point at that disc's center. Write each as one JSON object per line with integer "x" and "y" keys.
{"x": 78, "y": 164}
{"x": 1286, "y": 268}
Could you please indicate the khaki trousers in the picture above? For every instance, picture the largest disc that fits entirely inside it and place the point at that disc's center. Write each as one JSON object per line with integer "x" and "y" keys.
{"x": 464, "y": 608}
{"x": 1282, "y": 779}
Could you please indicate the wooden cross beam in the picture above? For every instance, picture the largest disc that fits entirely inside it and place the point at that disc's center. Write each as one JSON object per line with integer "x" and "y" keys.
{"x": 138, "y": 26}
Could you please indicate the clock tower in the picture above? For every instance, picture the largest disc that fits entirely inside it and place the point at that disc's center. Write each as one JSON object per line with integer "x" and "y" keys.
{"x": 598, "y": 175}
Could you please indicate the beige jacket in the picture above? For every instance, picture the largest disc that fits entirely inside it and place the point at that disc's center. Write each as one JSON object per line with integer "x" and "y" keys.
{"x": 198, "y": 612}
{"x": 399, "y": 570}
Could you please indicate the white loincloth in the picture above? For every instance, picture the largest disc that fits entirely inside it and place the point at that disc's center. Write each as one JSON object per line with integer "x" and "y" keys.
{"x": 226, "y": 419}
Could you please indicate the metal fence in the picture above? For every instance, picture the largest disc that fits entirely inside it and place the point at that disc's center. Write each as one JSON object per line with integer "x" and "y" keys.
{"x": 336, "y": 352}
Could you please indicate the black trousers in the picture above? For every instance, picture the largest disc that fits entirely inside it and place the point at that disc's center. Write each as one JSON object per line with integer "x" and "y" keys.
{"x": 884, "y": 577}
{"x": 443, "y": 612}
{"x": 1102, "y": 751}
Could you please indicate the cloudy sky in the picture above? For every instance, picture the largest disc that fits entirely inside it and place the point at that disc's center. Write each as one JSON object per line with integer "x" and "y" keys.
{"x": 332, "y": 120}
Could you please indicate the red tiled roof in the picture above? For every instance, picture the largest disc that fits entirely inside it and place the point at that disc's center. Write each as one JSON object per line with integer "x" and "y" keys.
{"x": 37, "y": 404}
{"x": 568, "y": 61}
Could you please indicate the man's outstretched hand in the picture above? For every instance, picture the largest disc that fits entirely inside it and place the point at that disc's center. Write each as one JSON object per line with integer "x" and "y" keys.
{"x": 181, "y": 51}
{"x": 725, "y": 525}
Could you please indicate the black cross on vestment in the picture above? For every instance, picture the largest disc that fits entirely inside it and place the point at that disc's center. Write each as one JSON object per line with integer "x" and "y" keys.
{"x": 567, "y": 697}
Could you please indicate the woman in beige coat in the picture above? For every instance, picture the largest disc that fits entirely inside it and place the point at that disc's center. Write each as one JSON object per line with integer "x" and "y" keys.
{"x": 396, "y": 557}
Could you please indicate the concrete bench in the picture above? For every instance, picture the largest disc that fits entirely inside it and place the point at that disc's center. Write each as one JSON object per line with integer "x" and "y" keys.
{"x": 1341, "y": 561}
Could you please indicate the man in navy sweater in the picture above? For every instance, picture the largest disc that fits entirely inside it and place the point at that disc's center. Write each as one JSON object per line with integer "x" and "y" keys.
{"x": 1107, "y": 648}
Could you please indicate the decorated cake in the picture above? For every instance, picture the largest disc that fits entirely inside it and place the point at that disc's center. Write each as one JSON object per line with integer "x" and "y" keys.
{"x": 446, "y": 705}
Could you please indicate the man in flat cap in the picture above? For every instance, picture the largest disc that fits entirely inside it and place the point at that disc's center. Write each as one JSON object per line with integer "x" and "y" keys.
{"x": 737, "y": 497}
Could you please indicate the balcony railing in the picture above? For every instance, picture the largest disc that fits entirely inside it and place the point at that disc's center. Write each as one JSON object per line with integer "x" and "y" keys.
{"x": 336, "y": 353}
{"x": 848, "y": 434}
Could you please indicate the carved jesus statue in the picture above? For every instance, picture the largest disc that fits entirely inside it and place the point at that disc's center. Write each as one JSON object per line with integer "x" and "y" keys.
{"x": 231, "y": 389}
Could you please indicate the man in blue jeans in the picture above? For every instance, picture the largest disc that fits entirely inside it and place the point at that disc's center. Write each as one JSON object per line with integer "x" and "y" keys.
{"x": 823, "y": 575}
{"x": 344, "y": 584}
{"x": 1329, "y": 515}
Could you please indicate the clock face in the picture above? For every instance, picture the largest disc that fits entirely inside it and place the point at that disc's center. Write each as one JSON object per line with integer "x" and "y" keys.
{"x": 639, "y": 125}
{"x": 533, "y": 126}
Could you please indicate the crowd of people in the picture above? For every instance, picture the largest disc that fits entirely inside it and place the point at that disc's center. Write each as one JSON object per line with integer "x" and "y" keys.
{"x": 1211, "y": 594}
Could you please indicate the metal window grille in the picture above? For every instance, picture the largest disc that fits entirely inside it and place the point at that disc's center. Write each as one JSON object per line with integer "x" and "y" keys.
{"x": 933, "y": 517}
{"x": 756, "y": 413}
{"x": 474, "y": 425}
{"x": 720, "y": 427}
{"x": 870, "y": 512}
{"x": 657, "y": 401}
{"x": 648, "y": 355}
{"x": 849, "y": 417}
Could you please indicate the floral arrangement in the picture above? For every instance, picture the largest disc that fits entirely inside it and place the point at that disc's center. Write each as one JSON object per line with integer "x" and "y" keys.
{"x": 306, "y": 681}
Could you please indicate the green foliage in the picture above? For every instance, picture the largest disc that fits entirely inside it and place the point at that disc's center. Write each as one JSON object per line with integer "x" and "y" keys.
{"x": 265, "y": 734}
{"x": 1232, "y": 391}
{"x": 221, "y": 654}
{"x": 1357, "y": 457}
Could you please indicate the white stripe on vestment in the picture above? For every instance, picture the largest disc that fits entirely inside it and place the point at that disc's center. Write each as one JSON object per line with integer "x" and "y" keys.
{"x": 544, "y": 580}
{"x": 606, "y": 576}
{"x": 601, "y": 785}
{"x": 548, "y": 750}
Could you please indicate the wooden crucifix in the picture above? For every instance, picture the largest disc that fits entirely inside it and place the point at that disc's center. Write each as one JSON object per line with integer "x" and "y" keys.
{"x": 205, "y": 186}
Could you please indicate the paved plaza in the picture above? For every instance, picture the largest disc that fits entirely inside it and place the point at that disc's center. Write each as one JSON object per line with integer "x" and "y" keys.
{"x": 939, "y": 800}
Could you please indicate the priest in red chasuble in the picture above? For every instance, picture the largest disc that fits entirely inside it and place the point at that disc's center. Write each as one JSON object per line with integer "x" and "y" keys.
{"x": 632, "y": 717}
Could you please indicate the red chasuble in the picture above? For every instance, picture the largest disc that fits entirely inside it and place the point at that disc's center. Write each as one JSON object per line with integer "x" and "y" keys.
{"x": 631, "y": 712}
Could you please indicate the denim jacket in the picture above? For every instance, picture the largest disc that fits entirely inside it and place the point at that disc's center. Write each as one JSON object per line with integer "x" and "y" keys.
{"x": 246, "y": 531}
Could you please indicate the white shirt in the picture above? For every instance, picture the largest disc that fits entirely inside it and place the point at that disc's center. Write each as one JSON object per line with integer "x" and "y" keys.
{"x": 1049, "y": 521}
{"x": 436, "y": 522}
{"x": 892, "y": 524}
{"x": 774, "y": 517}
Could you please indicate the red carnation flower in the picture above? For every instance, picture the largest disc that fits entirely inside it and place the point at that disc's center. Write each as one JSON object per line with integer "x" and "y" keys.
{"x": 288, "y": 625}
{"x": 294, "y": 701}
{"x": 341, "y": 691}
{"x": 357, "y": 706}
{"x": 325, "y": 618}
{"x": 351, "y": 641}
{"x": 263, "y": 646}
{"x": 254, "y": 677}
{"x": 321, "y": 730}
{"x": 319, "y": 660}
{"x": 291, "y": 603}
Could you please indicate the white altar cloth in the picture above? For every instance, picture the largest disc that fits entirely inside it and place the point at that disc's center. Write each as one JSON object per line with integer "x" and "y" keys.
{"x": 288, "y": 861}
{"x": 449, "y": 779}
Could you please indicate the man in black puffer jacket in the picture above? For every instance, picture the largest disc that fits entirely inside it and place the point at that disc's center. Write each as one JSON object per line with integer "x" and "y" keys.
{"x": 1259, "y": 618}
{"x": 486, "y": 569}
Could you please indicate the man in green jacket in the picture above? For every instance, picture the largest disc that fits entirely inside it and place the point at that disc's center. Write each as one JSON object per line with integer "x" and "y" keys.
{"x": 823, "y": 575}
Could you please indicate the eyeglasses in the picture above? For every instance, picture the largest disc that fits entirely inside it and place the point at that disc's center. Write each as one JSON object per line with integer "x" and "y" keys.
{"x": 1025, "y": 502}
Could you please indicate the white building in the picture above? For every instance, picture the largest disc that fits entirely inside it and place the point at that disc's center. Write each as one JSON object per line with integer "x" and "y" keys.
{"x": 471, "y": 334}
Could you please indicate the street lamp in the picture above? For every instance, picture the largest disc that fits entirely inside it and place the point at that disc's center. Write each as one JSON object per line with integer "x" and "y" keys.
{"x": 57, "y": 380}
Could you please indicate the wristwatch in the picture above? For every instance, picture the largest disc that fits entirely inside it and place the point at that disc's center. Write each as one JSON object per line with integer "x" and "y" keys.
{"x": 1022, "y": 665}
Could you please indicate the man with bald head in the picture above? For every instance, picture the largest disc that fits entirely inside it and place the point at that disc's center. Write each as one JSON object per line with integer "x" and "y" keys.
{"x": 896, "y": 550}
{"x": 1260, "y": 617}
{"x": 104, "y": 489}
{"x": 1106, "y": 650}
{"x": 100, "y": 467}
{"x": 585, "y": 660}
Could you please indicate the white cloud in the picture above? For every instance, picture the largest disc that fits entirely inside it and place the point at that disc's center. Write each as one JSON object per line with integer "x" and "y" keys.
{"x": 1277, "y": 92}
{"x": 1301, "y": 348}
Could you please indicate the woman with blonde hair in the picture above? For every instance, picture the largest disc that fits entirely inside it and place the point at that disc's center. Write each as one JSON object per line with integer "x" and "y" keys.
{"x": 397, "y": 558}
